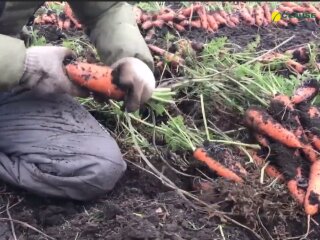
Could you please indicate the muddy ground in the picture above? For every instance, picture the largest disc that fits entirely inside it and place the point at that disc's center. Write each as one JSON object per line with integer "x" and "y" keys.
{"x": 141, "y": 208}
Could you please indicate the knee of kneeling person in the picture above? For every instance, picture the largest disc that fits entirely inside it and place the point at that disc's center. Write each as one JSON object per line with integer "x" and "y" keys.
{"x": 102, "y": 178}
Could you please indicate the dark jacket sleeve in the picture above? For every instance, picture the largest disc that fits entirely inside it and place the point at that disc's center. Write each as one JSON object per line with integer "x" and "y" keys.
{"x": 113, "y": 30}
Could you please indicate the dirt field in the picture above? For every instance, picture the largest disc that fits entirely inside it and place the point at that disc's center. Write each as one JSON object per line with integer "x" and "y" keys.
{"x": 142, "y": 208}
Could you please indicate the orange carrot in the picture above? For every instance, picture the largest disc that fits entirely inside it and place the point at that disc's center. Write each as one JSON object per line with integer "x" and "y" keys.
{"x": 158, "y": 23}
{"x": 309, "y": 152}
{"x": 190, "y": 10}
{"x": 312, "y": 199}
{"x": 289, "y": 4}
{"x": 195, "y": 23}
{"x": 203, "y": 17}
{"x": 294, "y": 21}
{"x": 66, "y": 23}
{"x": 267, "y": 12}
{"x": 212, "y": 22}
{"x": 230, "y": 23}
{"x": 259, "y": 15}
{"x": 256, "y": 158}
{"x": 169, "y": 57}
{"x": 60, "y": 23}
{"x": 145, "y": 17}
{"x": 180, "y": 17}
{"x": 201, "y": 155}
{"x": 273, "y": 172}
{"x": 315, "y": 140}
{"x": 282, "y": 23}
{"x": 297, "y": 193}
{"x": 68, "y": 12}
{"x": 261, "y": 121}
{"x": 295, "y": 66}
{"x": 244, "y": 13}
{"x": 96, "y": 78}
{"x": 166, "y": 16}
{"x": 234, "y": 19}
{"x": 185, "y": 23}
{"x": 262, "y": 140}
{"x": 305, "y": 92}
{"x": 219, "y": 19}
{"x": 179, "y": 27}
{"x": 298, "y": 9}
{"x": 282, "y": 9}
{"x": 147, "y": 25}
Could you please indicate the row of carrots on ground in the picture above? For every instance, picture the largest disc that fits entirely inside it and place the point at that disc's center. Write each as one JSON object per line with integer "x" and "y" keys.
{"x": 289, "y": 134}
{"x": 196, "y": 16}
{"x": 65, "y": 20}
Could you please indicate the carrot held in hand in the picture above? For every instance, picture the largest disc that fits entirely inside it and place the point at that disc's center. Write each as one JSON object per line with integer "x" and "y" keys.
{"x": 312, "y": 199}
{"x": 260, "y": 120}
{"x": 96, "y": 78}
{"x": 202, "y": 155}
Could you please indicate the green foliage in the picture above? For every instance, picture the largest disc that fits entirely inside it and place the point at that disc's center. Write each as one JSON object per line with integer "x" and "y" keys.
{"x": 37, "y": 40}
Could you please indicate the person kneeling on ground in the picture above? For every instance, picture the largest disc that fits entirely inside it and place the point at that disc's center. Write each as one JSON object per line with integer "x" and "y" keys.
{"x": 49, "y": 144}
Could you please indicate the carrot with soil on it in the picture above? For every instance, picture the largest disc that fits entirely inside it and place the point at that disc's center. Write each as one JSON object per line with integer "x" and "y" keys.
{"x": 296, "y": 192}
{"x": 259, "y": 15}
{"x": 295, "y": 66}
{"x": 261, "y": 139}
{"x": 66, "y": 24}
{"x": 179, "y": 27}
{"x": 306, "y": 92}
{"x": 202, "y": 155}
{"x": 147, "y": 25}
{"x": 212, "y": 22}
{"x": 246, "y": 16}
{"x": 169, "y": 57}
{"x": 158, "y": 23}
{"x": 166, "y": 16}
{"x": 283, "y": 9}
{"x": 96, "y": 78}
{"x": 260, "y": 120}
{"x": 273, "y": 172}
{"x": 282, "y": 23}
{"x": 195, "y": 23}
{"x": 203, "y": 17}
{"x": 312, "y": 199}
{"x": 267, "y": 12}
{"x": 190, "y": 10}
{"x": 219, "y": 19}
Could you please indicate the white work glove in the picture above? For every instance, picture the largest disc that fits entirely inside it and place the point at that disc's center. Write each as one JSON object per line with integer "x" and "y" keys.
{"x": 44, "y": 70}
{"x": 136, "y": 78}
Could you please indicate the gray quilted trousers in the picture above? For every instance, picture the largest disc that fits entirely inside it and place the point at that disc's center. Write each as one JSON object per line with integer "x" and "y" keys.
{"x": 51, "y": 146}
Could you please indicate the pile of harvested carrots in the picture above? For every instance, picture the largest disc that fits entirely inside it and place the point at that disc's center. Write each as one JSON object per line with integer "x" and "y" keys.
{"x": 196, "y": 16}
{"x": 64, "y": 20}
{"x": 289, "y": 134}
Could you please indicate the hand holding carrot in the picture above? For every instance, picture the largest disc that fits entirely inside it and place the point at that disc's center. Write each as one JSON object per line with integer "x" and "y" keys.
{"x": 128, "y": 79}
{"x": 137, "y": 78}
{"x": 44, "y": 71}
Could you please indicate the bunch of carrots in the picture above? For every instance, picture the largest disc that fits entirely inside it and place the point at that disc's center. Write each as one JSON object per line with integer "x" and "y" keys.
{"x": 196, "y": 16}
{"x": 300, "y": 57}
{"x": 289, "y": 134}
{"x": 65, "y": 20}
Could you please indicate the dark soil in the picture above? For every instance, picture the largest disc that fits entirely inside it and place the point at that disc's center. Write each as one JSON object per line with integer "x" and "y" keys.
{"x": 140, "y": 207}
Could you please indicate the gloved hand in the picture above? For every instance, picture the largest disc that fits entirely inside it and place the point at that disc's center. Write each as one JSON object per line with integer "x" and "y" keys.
{"x": 44, "y": 71}
{"x": 137, "y": 78}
